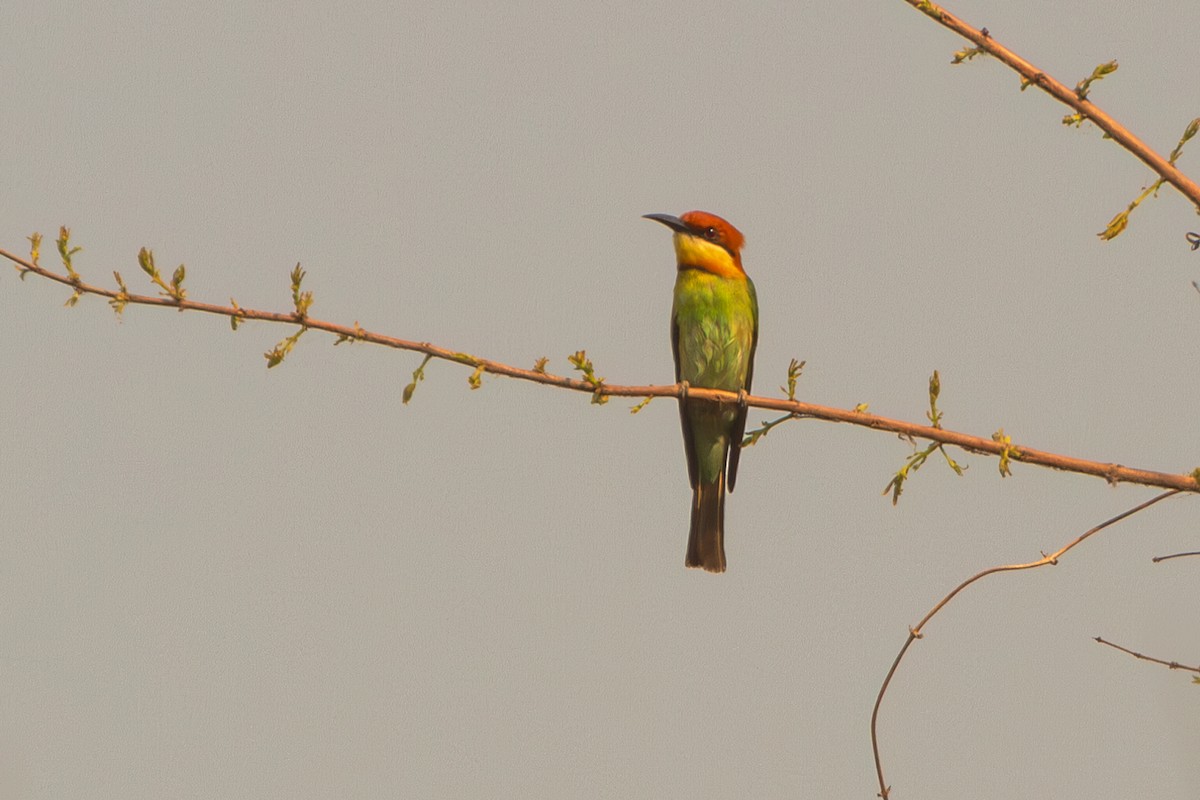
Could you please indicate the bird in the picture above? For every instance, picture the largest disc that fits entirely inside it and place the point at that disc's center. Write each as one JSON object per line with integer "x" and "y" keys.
{"x": 714, "y": 333}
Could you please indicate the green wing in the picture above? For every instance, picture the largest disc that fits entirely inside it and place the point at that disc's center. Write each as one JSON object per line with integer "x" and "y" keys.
{"x": 689, "y": 443}
{"x": 739, "y": 424}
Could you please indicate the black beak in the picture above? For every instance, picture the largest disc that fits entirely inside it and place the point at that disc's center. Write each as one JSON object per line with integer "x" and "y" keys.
{"x": 671, "y": 221}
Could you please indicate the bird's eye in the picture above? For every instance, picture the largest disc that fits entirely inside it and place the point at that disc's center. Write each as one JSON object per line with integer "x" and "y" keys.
{"x": 710, "y": 233}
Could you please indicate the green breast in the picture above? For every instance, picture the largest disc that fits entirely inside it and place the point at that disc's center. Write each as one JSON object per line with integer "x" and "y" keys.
{"x": 716, "y": 319}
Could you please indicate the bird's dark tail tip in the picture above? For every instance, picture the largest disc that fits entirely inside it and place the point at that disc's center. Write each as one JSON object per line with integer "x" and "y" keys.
{"x": 706, "y": 542}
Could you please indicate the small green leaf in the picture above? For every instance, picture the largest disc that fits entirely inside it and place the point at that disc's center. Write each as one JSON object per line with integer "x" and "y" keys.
{"x": 1006, "y": 452}
{"x": 1081, "y": 90}
{"x": 795, "y": 368}
{"x": 583, "y": 364}
{"x": 896, "y": 485}
{"x": 301, "y": 300}
{"x": 119, "y": 302}
{"x": 236, "y": 319}
{"x": 641, "y": 405}
{"x": 66, "y": 252}
{"x": 1115, "y": 226}
{"x": 935, "y": 390}
{"x": 35, "y": 247}
{"x": 146, "y": 262}
{"x": 176, "y": 289}
{"x": 276, "y": 356}
{"x": 1191, "y": 130}
{"x": 966, "y": 54}
{"x": 417, "y": 376}
{"x": 358, "y": 335}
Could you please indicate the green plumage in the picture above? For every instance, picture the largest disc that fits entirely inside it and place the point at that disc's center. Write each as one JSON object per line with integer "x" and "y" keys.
{"x": 714, "y": 332}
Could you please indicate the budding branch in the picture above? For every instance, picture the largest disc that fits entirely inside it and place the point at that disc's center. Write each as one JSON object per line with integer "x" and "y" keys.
{"x": 1113, "y": 473}
{"x": 1075, "y": 98}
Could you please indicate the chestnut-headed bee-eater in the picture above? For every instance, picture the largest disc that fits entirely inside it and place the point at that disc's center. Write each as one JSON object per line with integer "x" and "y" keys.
{"x": 714, "y": 332}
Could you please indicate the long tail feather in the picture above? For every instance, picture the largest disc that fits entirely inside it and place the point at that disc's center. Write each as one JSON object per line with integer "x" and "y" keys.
{"x": 706, "y": 541}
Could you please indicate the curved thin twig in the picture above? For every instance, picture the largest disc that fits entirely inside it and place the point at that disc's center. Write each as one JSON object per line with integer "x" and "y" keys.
{"x": 915, "y": 633}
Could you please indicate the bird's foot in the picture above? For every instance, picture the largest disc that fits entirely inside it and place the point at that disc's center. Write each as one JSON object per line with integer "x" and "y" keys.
{"x": 683, "y": 391}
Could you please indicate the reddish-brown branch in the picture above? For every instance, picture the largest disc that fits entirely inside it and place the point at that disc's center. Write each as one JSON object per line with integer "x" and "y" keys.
{"x": 1068, "y": 96}
{"x": 915, "y": 632}
{"x": 1113, "y": 473}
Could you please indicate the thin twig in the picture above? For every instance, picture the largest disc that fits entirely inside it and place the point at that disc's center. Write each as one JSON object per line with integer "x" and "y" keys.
{"x": 1068, "y": 96}
{"x": 1113, "y": 473}
{"x": 1167, "y": 664}
{"x": 915, "y": 633}
{"x": 1157, "y": 559}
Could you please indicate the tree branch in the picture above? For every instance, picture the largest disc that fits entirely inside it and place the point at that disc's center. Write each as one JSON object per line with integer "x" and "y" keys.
{"x": 1075, "y": 98}
{"x": 915, "y": 633}
{"x": 1113, "y": 473}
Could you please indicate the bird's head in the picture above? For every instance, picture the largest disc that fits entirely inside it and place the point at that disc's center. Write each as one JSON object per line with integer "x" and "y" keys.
{"x": 705, "y": 241}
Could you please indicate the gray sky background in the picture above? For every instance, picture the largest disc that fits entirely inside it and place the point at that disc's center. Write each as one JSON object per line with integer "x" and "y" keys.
{"x": 219, "y": 581}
